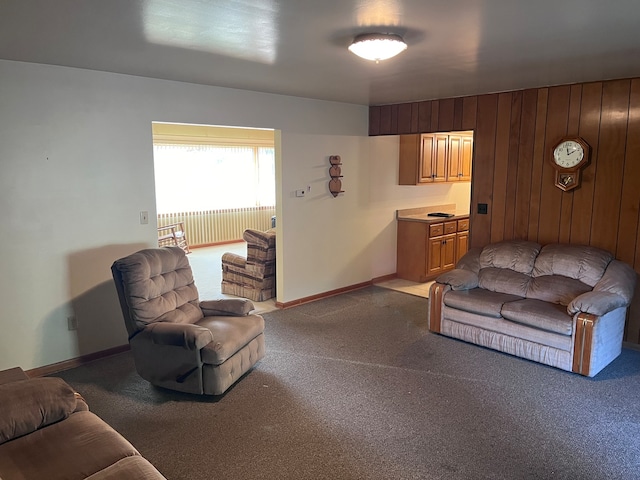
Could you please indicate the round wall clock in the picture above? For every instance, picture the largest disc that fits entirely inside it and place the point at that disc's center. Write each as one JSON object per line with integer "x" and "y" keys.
{"x": 568, "y": 156}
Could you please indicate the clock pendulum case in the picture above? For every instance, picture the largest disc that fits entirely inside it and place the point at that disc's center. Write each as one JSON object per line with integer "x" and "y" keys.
{"x": 568, "y": 156}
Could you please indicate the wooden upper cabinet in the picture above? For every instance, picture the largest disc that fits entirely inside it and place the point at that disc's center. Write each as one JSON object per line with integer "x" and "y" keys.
{"x": 435, "y": 157}
{"x": 425, "y": 160}
{"x": 461, "y": 146}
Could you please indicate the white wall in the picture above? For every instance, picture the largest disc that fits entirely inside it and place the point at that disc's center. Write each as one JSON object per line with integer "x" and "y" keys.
{"x": 77, "y": 168}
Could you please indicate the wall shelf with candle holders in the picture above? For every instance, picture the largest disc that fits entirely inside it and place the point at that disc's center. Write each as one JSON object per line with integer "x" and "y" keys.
{"x": 335, "y": 184}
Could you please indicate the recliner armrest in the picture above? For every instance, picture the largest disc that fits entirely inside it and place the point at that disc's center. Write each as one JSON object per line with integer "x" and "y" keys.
{"x": 236, "y": 307}
{"x": 596, "y": 303}
{"x": 459, "y": 279}
{"x": 185, "y": 335}
{"x": 234, "y": 259}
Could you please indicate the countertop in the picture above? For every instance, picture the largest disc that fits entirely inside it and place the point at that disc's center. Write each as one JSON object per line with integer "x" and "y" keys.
{"x": 423, "y": 217}
{"x": 421, "y": 214}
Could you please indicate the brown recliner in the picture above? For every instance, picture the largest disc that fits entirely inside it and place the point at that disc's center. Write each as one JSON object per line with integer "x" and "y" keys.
{"x": 253, "y": 277}
{"x": 179, "y": 342}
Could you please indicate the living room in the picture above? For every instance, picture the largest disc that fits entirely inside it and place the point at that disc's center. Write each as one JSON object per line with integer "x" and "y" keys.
{"x": 77, "y": 156}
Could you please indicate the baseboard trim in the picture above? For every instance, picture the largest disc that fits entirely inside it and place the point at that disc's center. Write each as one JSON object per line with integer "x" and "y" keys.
{"x": 215, "y": 244}
{"x": 384, "y": 278}
{"x": 76, "y": 362}
{"x": 330, "y": 293}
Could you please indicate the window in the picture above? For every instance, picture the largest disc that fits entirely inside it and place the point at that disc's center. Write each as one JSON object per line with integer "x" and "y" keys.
{"x": 213, "y": 177}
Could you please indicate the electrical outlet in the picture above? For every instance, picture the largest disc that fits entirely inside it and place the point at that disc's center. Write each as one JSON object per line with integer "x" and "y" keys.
{"x": 72, "y": 323}
{"x": 144, "y": 217}
{"x": 483, "y": 208}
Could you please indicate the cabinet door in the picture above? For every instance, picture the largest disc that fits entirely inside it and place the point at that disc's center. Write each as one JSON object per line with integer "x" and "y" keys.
{"x": 441, "y": 254}
{"x": 448, "y": 252}
{"x": 434, "y": 256}
{"x": 425, "y": 168}
{"x": 462, "y": 245}
{"x": 455, "y": 148}
{"x": 439, "y": 157}
{"x": 465, "y": 158}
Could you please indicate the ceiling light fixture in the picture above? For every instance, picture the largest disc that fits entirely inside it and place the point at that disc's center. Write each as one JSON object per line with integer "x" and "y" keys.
{"x": 377, "y": 46}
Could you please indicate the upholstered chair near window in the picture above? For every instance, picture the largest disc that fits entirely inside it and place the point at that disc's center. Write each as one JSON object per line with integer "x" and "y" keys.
{"x": 179, "y": 342}
{"x": 253, "y": 277}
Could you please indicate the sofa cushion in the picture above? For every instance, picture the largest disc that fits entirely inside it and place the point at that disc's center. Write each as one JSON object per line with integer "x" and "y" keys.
{"x": 28, "y": 405}
{"x": 516, "y": 255}
{"x": 478, "y": 300}
{"x": 581, "y": 262}
{"x": 537, "y": 313}
{"x": 72, "y": 449}
{"x": 556, "y": 289}
{"x": 499, "y": 326}
{"x": 504, "y": 280}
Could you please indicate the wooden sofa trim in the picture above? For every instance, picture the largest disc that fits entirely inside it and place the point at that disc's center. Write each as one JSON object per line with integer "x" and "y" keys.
{"x": 436, "y": 291}
{"x": 584, "y": 343}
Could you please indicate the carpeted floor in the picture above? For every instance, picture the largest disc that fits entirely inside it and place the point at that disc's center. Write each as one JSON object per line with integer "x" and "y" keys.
{"x": 354, "y": 387}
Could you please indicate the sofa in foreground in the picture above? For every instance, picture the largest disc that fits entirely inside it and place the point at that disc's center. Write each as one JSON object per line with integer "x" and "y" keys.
{"x": 48, "y": 432}
{"x": 560, "y": 305}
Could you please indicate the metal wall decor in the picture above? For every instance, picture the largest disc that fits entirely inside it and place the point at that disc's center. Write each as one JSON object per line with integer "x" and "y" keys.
{"x": 335, "y": 184}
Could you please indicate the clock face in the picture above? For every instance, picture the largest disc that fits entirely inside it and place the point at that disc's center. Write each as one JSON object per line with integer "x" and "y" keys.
{"x": 568, "y": 154}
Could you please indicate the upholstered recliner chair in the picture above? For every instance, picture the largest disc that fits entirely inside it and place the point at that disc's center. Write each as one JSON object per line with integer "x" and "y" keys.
{"x": 179, "y": 342}
{"x": 253, "y": 277}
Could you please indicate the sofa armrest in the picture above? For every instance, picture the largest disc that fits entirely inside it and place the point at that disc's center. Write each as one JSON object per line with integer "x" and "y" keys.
{"x": 596, "y": 303}
{"x": 185, "y": 335}
{"x": 459, "y": 279}
{"x": 28, "y": 405}
{"x": 618, "y": 278}
{"x": 235, "y": 307}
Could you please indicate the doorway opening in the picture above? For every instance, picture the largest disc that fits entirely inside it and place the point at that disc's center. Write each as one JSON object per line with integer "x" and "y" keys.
{"x": 212, "y": 183}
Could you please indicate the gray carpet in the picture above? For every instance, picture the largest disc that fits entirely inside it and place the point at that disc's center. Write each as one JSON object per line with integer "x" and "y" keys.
{"x": 354, "y": 387}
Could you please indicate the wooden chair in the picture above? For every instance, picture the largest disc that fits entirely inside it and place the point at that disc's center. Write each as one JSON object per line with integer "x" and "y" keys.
{"x": 173, "y": 235}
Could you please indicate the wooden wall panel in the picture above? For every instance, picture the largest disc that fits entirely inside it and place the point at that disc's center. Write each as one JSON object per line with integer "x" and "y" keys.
{"x": 550, "y": 195}
{"x": 537, "y": 165}
{"x": 591, "y": 106}
{"x": 513, "y": 136}
{"x": 457, "y": 113}
{"x": 512, "y": 166}
{"x": 374, "y": 120}
{"x": 404, "y": 118}
{"x": 608, "y": 188}
{"x": 500, "y": 169}
{"x": 469, "y": 112}
{"x": 630, "y": 200}
{"x": 484, "y": 155}
{"x": 435, "y": 112}
{"x": 446, "y": 114}
{"x": 424, "y": 116}
{"x": 525, "y": 163}
{"x": 573, "y": 125}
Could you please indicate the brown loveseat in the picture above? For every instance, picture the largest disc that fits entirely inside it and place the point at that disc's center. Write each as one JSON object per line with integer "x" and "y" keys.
{"x": 47, "y": 432}
{"x": 561, "y": 305}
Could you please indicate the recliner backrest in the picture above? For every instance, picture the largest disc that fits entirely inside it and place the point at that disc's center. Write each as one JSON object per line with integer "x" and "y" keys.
{"x": 156, "y": 285}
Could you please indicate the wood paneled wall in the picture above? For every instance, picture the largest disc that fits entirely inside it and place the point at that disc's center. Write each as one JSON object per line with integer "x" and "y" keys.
{"x": 514, "y": 134}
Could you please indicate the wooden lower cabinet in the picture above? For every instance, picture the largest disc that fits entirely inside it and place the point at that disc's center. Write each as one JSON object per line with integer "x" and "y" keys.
{"x": 425, "y": 250}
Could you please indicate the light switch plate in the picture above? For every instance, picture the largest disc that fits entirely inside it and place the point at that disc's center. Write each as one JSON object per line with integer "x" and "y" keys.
{"x": 144, "y": 217}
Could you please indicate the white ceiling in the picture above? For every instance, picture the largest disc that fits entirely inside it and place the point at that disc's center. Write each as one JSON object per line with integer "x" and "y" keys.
{"x": 299, "y": 47}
